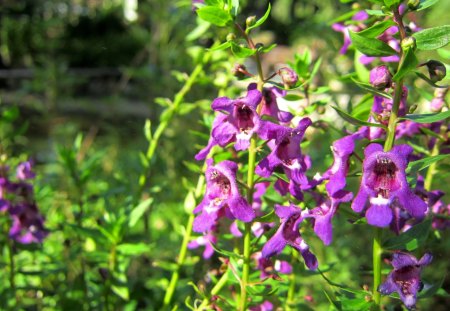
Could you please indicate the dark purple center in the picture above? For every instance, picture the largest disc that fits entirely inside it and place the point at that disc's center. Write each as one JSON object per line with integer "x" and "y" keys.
{"x": 406, "y": 277}
{"x": 244, "y": 118}
{"x": 383, "y": 178}
{"x": 222, "y": 185}
{"x": 290, "y": 230}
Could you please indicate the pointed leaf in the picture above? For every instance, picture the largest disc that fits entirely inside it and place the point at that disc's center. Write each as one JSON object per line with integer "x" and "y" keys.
{"x": 411, "y": 239}
{"x": 260, "y": 21}
{"x": 433, "y": 38}
{"x": 370, "y": 46}
{"x": 427, "y": 117}
{"x": 214, "y": 15}
{"x": 347, "y": 117}
{"x": 409, "y": 63}
{"x": 377, "y": 29}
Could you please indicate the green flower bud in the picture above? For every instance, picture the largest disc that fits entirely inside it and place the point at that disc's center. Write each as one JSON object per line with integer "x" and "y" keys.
{"x": 408, "y": 43}
{"x": 231, "y": 37}
{"x": 412, "y": 108}
{"x": 413, "y": 4}
{"x": 250, "y": 21}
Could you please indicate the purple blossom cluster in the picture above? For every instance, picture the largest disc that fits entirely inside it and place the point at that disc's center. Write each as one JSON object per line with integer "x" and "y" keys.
{"x": 16, "y": 199}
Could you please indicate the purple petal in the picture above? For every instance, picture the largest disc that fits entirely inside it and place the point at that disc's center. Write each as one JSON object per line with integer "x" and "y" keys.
{"x": 360, "y": 200}
{"x": 401, "y": 260}
{"x": 223, "y": 104}
{"x": 379, "y": 215}
{"x": 388, "y": 287}
{"x": 274, "y": 245}
{"x": 241, "y": 209}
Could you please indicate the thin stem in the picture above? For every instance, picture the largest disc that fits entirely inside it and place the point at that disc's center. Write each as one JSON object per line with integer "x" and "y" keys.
{"x": 183, "y": 249}
{"x": 291, "y": 290}
{"x": 377, "y": 251}
{"x": 12, "y": 268}
{"x": 432, "y": 168}
{"x": 215, "y": 290}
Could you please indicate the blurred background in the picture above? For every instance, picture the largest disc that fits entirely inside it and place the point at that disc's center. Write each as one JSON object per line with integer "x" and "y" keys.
{"x": 100, "y": 69}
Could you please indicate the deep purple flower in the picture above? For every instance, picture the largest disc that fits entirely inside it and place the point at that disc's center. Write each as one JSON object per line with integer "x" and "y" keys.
{"x": 269, "y": 105}
{"x": 380, "y": 77}
{"x": 206, "y": 240}
{"x": 287, "y": 153}
{"x": 288, "y": 234}
{"x": 383, "y": 183}
{"x": 28, "y": 224}
{"x": 24, "y": 171}
{"x": 342, "y": 150}
{"x": 271, "y": 269}
{"x": 265, "y": 306}
{"x": 323, "y": 214}
{"x": 405, "y": 278}
{"x": 238, "y": 124}
{"x": 222, "y": 197}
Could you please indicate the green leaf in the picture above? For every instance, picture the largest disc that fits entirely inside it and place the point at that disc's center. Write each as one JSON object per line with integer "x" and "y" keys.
{"x": 421, "y": 164}
{"x": 222, "y": 46}
{"x": 138, "y": 212}
{"x": 121, "y": 291}
{"x": 234, "y": 5}
{"x": 376, "y": 29}
{"x": 240, "y": 51}
{"x": 428, "y": 117}
{"x": 129, "y": 249}
{"x": 391, "y": 3}
{"x": 411, "y": 239}
{"x": 214, "y": 15}
{"x": 371, "y": 89}
{"x": 432, "y": 38}
{"x": 370, "y": 46}
{"x": 376, "y": 12}
{"x": 431, "y": 289}
{"x": 260, "y": 21}
{"x": 361, "y": 70}
{"x": 353, "y": 120}
{"x": 425, "y": 4}
{"x": 408, "y": 64}
{"x": 267, "y": 49}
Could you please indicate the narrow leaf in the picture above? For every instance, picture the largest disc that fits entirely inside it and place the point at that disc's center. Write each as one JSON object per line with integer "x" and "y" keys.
{"x": 409, "y": 63}
{"x": 428, "y": 117}
{"x": 371, "y": 89}
{"x": 425, "y": 4}
{"x": 426, "y": 79}
{"x": 260, "y": 21}
{"x": 376, "y": 29}
{"x": 425, "y": 162}
{"x": 433, "y": 38}
{"x": 241, "y": 52}
{"x": 371, "y": 46}
{"x": 347, "y": 117}
{"x": 139, "y": 211}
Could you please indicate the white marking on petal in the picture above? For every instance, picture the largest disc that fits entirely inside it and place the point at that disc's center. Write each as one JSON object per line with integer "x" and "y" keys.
{"x": 303, "y": 245}
{"x": 379, "y": 200}
{"x": 213, "y": 206}
{"x": 317, "y": 176}
{"x": 243, "y": 136}
{"x": 409, "y": 300}
{"x": 294, "y": 164}
{"x": 277, "y": 265}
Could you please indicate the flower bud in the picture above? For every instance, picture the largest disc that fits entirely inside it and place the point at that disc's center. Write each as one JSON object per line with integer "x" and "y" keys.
{"x": 289, "y": 77}
{"x": 412, "y": 108}
{"x": 239, "y": 71}
{"x": 250, "y": 21}
{"x": 408, "y": 43}
{"x": 380, "y": 77}
{"x": 231, "y": 37}
{"x": 413, "y": 4}
{"x": 436, "y": 70}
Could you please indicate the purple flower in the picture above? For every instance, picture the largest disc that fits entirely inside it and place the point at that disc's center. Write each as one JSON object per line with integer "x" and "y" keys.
{"x": 206, "y": 240}
{"x": 359, "y": 16}
{"x": 405, "y": 278}
{"x": 28, "y": 225}
{"x": 222, "y": 197}
{"x": 269, "y": 105}
{"x": 288, "y": 76}
{"x": 342, "y": 150}
{"x": 270, "y": 269}
{"x": 323, "y": 214}
{"x": 24, "y": 171}
{"x": 383, "y": 183}
{"x": 380, "y": 77}
{"x": 287, "y": 153}
{"x": 265, "y": 306}
{"x": 288, "y": 234}
{"x": 238, "y": 124}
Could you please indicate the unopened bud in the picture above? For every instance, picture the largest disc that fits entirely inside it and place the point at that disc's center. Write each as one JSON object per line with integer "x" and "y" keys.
{"x": 413, "y": 4}
{"x": 320, "y": 109}
{"x": 436, "y": 70}
{"x": 250, "y": 21}
{"x": 380, "y": 77}
{"x": 259, "y": 46}
{"x": 231, "y": 37}
{"x": 289, "y": 77}
{"x": 408, "y": 43}
{"x": 239, "y": 71}
{"x": 412, "y": 108}
{"x": 356, "y": 6}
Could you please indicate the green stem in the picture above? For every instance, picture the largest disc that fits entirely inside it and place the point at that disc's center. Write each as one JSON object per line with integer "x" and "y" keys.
{"x": 12, "y": 268}
{"x": 377, "y": 251}
{"x": 432, "y": 168}
{"x": 291, "y": 289}
{"x": 215, "y": 290}
{"x": 183, "y": 249}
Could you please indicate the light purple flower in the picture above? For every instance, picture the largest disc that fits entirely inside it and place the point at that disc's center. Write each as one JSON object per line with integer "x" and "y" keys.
{"x": 237, "y": 124}
{"x": 270, "y": 269}
{"x": 24, "y": 171}
{"x": 405, "y": 278}
{"x": 288, "y": 234}
{"x": 380, "y": 77}
{"x": 27, "y": 224}
{"x": 206, "y": 240}
{"x": 265, "y": 306}
{"x": 287, "y": 154}
{"x": 383, "y": 183}
{"x": 324, "y": 213}
{"x": 339, "y": 27}
{"x": 222, "y": 197}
